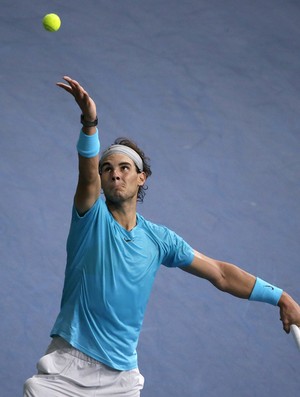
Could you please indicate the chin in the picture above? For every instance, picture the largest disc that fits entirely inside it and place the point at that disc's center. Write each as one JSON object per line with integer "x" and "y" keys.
{"x": 115, "y": 198}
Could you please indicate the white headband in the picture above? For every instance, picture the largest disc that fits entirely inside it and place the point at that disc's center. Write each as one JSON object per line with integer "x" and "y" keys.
{"x": 132, "y": 154}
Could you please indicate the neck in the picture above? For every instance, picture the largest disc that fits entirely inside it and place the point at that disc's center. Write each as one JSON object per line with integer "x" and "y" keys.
{"x": 124, "y": 214}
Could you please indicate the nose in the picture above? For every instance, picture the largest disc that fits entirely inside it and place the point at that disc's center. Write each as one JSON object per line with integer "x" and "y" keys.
{"x": 115, "y": 175}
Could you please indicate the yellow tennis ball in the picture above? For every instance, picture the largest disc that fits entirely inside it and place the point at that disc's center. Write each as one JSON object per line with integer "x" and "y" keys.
{"x": 51, "y": 22}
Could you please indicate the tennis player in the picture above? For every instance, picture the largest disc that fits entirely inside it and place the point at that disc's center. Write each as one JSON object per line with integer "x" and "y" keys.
{"x": 113, "y": 254}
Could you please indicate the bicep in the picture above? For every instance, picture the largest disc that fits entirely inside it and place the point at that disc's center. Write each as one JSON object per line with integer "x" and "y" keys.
{"x": 205, "y": 267}
{"x": 89, "y": 184}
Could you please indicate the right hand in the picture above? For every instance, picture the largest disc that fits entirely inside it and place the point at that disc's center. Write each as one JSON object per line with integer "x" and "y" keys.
{"x": 84, "y": 101}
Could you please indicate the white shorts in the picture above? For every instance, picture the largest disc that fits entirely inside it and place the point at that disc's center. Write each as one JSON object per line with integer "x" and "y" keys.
{"x": 65, "y": 371}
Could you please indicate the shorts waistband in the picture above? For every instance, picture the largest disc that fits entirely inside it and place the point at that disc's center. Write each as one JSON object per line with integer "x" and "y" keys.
{"x": 58, "y": 343}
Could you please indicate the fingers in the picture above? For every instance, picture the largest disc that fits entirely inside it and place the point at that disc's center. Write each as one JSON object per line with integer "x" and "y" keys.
{"x": 289, "y": 312}
{"x": 74, "y": 88}
{"x": 65, "y": 87}
{"x": 86, "y": 104}
{"x": 286, "y": 324}
{"x": 73, "y": 83}
{"x": 286, "y": 327}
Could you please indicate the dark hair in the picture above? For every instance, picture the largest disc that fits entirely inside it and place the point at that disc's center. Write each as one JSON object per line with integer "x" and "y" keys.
{"x": 146, "y": 163}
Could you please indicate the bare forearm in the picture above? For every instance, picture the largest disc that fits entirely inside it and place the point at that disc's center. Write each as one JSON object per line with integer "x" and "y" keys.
{"x": 223, "y": 275}
{"x": 235, "y": 281}
{"x": 88, "y": 169}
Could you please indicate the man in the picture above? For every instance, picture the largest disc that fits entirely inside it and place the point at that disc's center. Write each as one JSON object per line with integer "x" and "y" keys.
{"x": 113, "y": 255}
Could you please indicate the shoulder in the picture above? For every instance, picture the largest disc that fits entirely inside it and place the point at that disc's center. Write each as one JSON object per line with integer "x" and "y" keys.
{"x": 160, "y": 232}
{"x": 152, "y": 227}
{"x": 99, "y": 208}
{"x": 174, "y": 249}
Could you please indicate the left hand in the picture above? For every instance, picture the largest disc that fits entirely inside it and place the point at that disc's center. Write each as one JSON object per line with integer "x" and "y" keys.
{"x": 289, "y": 312}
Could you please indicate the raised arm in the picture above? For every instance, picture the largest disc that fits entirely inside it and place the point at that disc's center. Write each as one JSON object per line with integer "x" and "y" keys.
{"x": 232, "y": 279}
{"x": 89, "y": 183}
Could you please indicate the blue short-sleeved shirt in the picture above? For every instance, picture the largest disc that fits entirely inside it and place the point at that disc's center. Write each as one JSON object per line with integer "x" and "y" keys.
{"x": 108, "y": 280}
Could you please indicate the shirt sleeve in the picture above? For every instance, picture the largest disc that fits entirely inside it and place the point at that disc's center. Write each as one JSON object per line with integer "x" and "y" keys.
{"x": 179, "y": 252}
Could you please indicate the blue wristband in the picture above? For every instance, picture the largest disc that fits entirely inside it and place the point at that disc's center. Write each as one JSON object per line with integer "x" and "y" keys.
{"x": 88, "y": 145}
{"x": 265, "y": 292}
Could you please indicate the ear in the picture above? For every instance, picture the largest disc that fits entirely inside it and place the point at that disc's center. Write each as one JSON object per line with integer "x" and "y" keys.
{"x": 141, "y": 178}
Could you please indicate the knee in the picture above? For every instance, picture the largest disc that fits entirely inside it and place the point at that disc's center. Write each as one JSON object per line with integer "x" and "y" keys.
{"x": 30, "y": 388}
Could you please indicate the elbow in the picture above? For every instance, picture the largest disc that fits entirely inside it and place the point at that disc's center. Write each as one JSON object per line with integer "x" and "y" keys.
{"x": 88, "y": 175}
{"x": 88, "y": 179}
{"x": 220, "y": 282}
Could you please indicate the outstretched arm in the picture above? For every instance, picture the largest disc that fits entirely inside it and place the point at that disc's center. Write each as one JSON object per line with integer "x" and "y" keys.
{"x": 232, "y": 279}
{"x": 89, "y": 183}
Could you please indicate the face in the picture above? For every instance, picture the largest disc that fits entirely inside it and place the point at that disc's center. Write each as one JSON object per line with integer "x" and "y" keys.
{"x": 119, "y": 178}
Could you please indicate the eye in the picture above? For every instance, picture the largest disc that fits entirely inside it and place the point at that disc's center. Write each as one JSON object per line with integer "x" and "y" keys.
{"x": 106, "y": 168}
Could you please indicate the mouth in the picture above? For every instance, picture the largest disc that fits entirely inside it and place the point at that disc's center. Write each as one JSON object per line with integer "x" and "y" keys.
{"x": 116, "y": 186}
